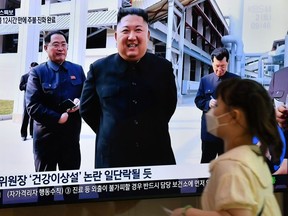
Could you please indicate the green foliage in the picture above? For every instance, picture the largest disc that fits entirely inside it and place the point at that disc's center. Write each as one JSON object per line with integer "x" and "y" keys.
{"x": 6, "y": 107}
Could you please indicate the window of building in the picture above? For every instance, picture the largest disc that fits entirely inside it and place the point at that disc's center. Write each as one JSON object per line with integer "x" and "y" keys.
{"x": 10, "y": 43}
{"x": 96, "y": 38}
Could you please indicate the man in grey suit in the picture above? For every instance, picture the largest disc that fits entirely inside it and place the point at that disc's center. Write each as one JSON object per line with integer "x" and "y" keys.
{"x": 278, "y": 90}
{"x": 129, "y": 98}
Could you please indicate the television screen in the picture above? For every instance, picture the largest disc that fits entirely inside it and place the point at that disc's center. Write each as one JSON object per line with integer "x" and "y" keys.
{"x": 20, "y": 185}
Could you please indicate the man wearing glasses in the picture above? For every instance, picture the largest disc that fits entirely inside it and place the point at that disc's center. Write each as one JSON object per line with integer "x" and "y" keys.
{"x": 52, "y": 98}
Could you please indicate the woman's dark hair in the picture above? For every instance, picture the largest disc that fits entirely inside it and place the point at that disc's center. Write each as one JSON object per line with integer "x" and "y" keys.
{"x": 132, "y": 11}
{"x": 219, "y": 53}
{"x": 253, "y": 99}
{"x": 47, "y": 38}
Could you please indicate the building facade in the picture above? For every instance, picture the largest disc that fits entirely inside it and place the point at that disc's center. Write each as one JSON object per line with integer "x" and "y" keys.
{"x": 183, "y": 31}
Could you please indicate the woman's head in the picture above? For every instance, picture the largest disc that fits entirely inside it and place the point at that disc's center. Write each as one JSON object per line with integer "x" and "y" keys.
{"x": 249, "y": 96}
{"x": 254, "y": 101}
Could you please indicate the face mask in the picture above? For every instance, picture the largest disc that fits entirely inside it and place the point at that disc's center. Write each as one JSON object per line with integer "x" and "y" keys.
{"x": 212, "y": 122}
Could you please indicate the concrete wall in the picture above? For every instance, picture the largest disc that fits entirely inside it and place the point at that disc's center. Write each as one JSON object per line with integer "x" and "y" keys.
{"x": 9, "y": 82}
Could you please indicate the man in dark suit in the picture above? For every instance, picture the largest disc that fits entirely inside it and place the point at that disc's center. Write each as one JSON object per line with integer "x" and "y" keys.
{"x": 278, "y": 90}
{"x": 129, "y": 98}
{"x": 26, "y": 119}
{"x": 205, "y": 100}
{"x": 56, "y": 127}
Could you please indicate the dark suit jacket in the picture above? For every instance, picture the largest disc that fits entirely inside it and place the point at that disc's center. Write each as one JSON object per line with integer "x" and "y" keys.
{"x": 48, "y": 85}
{"x": 23, "y": 82}
{"x": 278, "y": 89}
{"x": 207, "y": 87}
{"x": 22, "y": 86}
{"x": 129, "y": 108}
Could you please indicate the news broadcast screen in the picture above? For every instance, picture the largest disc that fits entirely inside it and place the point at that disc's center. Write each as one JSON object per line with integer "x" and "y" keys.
{"x": 20, "y": 185}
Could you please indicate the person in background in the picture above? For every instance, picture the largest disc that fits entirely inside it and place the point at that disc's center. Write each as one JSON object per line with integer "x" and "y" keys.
{"x": 240, "y": 181}
{"x": 129, "y": 98}
{"x": 26, "y": 119}
{"x": 278, "y": 90}
{"x": 56, "y": 126}
{"x": 279, "y": 167}
{"x": 205, "y": 100}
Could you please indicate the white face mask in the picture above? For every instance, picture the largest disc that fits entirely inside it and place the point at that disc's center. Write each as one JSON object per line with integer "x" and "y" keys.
{"x": 212, "y": 122}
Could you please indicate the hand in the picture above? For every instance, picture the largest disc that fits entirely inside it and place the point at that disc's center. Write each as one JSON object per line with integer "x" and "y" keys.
{"x": 76, "y": 101}
{"x": 283, "y": 168}
{"x": 63, "y": 119}
{"x": 281, "y": 116}
{"x": 177, "y": 212}
{"x": 212, "y": 103}
{"x": 182, "y": 211}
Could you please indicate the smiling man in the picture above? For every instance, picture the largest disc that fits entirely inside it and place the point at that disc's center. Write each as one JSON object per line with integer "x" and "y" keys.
{"x": 129, "y": 98}
{"x": 56, "y": 131}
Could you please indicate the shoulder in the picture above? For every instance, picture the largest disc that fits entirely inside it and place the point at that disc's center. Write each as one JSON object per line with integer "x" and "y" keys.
{"x": 229, "y": 74}
{"x": 40, "y": 69}
{"x": 156, "y": 59}
{"x": 43, "y": 67}
{"x": 106, "y": 60}
{"x": 282, "y": 72}
{"x": 69, "y": 64}
{"x": 40, "y": 66}
{"x": 245, "y": 160}
{"x": 25, "y": 75}
{"x": 113, "y": 63}
{"x": 243, "y": 154}
{"x": 209, "y": 76}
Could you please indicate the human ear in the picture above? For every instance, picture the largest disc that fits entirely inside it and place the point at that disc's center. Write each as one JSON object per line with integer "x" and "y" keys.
{"x": 45, "y": 47}
{"x": 238, "y": 117}
{"x": 115, "y": 35}
{"x": 236, "y": 114}
{"x": 148, "y": 34}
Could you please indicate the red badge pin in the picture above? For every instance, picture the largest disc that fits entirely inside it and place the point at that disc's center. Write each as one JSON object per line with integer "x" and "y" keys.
{"x": 73, "y": 77}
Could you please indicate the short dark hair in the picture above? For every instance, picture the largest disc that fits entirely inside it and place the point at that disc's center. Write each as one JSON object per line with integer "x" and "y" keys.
{"x": 219, "y": 53}
{"x": 132, "y": 11}
{"x": 33, "y": 64}
{"x": 47, "y": 38}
